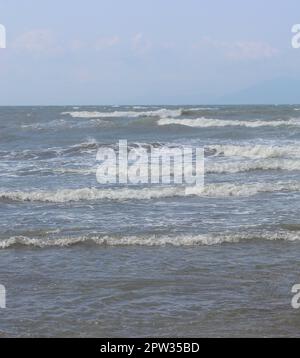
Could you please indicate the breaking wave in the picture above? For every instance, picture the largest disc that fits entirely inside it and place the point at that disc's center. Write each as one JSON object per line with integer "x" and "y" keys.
{"x": 150, "y": 240}
{"x": 210, "y": 122}
{"x": 209, "y": 190}
{"x": 265, "y": 164}
{"x": 89, "y": 146}
{"x": 255, "y": 151}
{"x": 211, "y": 168}
{"x": 163, "y": 113}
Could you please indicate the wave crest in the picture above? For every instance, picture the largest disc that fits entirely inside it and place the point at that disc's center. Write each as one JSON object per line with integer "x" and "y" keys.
{"x": 91, "y": 194}
{"x": 254, "y": 151}
{"x": 151, "y": 240}
{"x": 264, "y": 164}
{"x": 163, "y": 113}
{"x": 204, "y": 122}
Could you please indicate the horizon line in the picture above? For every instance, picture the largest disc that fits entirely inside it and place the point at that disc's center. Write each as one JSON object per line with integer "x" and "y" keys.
{"x": 153, "y": 104}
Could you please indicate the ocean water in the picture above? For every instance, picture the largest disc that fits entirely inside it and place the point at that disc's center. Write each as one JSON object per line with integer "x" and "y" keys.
{"x": 79, "y": 258}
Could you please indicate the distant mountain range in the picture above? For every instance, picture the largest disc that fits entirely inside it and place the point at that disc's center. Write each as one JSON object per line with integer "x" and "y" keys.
{"x": 277, "y": 91}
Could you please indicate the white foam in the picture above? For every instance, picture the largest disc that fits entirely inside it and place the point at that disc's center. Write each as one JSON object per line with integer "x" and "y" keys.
{"x": 264, "y": 164}
{"x": 231, "y": 189}
{"x": 163, "y": 113}
{"x": 79, "y": 171}
{"x": 197, "y": 109}
{"x": 209, "y": 190}
{"x": 150, "y": 240}
{"x": 67, "y": 195}
{"x": 256, "y": 151}
{"x": 210, "y": 168}
{"x": 210, "y": 122}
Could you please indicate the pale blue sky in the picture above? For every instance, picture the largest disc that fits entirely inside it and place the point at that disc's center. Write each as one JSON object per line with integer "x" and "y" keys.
{"x": 147, "y": 51}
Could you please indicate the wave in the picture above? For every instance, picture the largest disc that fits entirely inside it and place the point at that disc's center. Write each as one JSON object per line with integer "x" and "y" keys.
{"x": 210, "y": 122}
{"x": 197, "y": 110}
{"x": 215, "y": 168}
{"x": 267, "y": 164}
{"x": 254, "y": 151}
{"x": 49, "y": 153}
{"x": 67, "y": 195}
{"x": 65, "y": 124}
{"x": 163, "y": 113}
{"x": 150, "y": 240}
{"x": 227, "y": 150}
{"x": 235, "y": 190}
{"x": 123, "y": 194}
{"x": 211, "y": 168}
{"x": 87, "y": 147}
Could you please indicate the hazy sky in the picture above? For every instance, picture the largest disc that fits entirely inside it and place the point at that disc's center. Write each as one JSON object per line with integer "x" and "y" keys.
{"x": 144, "y": 51}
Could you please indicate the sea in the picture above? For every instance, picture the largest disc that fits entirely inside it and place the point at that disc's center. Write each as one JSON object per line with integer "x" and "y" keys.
{"x": 79, "y": 258}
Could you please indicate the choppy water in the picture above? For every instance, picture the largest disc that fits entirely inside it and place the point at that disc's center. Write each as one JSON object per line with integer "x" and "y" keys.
{"x": 80, "y": 258}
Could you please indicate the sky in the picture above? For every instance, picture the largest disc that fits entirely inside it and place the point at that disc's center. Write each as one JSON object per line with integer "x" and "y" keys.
{"x": 98, "y": 52}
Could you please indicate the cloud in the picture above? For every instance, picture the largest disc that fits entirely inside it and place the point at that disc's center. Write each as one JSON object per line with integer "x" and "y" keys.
{"x": 140, "y": 44}
{"x": 44, "y": 42}
{"x": 240, "y": 50}
{"x": 77, "y": 45}
{"x": 250, "y": 51}
{"x": 82, "y": 74}
{"x": 38, "y": 41}
{"x": 106, "y": 42}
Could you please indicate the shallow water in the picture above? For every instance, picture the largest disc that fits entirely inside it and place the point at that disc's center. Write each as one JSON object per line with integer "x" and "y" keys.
{"x": 83, "y": 259}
